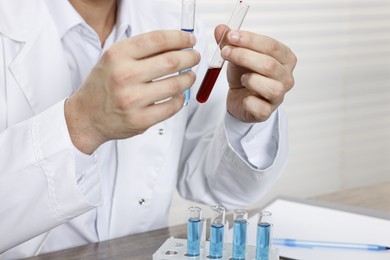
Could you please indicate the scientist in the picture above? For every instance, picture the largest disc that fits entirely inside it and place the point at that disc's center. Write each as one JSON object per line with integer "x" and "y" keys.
{"x": 94, "y": 136}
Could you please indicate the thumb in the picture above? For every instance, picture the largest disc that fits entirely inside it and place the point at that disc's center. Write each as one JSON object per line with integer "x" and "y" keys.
{"x": 220, "y": 33}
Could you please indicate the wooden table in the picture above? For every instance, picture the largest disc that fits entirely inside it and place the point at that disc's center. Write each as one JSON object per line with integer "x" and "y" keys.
{"x": 142, "y": 246}
{"x": 374, "y": 197}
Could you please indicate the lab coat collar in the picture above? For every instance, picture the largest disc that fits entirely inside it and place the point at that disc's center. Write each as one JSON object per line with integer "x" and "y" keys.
{"x": 19, "y": 21}
{"x": 123, "y": 18}
{"x": 66, "y": 17}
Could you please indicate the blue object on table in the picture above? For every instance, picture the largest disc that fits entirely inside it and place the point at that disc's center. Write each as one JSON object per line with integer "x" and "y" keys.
{"x": 340, "y": 245}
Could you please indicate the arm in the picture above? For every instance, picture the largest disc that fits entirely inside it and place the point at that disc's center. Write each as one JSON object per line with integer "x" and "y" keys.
{"x": 38, "y": 187}
{"x": 258, "y": 77}
{"x": 213, "y": 171}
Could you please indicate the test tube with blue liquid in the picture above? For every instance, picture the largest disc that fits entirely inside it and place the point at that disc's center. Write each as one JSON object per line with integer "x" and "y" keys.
{"x": 194, "y": 231}
{"x": 187, "y": 25}
{"x": 263, "y": 242}
{"x": 217, "y": 232}
{"x": 240, "y": 222}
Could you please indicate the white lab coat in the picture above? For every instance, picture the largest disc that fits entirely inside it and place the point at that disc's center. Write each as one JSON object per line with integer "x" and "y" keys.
{"x": 40, "y": 200}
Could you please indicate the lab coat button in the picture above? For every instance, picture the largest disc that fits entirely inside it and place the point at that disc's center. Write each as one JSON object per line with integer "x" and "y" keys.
{"x": 161, "y": 131}
{"x": 141, "y": 202}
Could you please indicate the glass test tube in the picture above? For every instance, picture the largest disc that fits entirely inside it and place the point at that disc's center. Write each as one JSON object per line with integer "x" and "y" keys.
{"x": 217, "y": 231}
{"x": 194, "y": 231}
{"x": 263, "y": 242}
{"x": 240, "y": 222}
{"x": 217, "y": 61}
{"x": 187, "y": 25}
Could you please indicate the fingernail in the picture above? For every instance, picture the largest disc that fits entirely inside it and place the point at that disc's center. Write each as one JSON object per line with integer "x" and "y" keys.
{"x": 244, "y": 79}
{"x": 234, "y": 36}
{"x": 225, "y": 51}
{"x": 199, "y": 55}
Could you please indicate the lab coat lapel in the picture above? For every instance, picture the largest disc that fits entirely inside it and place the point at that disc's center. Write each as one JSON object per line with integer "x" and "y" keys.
{"x": 48, "y": 83}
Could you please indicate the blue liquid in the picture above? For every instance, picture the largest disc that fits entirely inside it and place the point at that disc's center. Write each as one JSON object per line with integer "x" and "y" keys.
{"x": 216, "y": 241}
{"x": 263, "y": 241}
{"x": 193, "y": 237}
{"x": 239, "y": 239}
{"x": 187, "y": 92}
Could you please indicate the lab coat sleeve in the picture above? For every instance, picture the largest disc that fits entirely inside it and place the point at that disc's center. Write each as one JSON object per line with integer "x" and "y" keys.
{"x": 221, "y": 176}
{"x": 38, "y": 187}
{"x": 242, "y": 137}
{"x": 212, "y": 170}
{"x": 247, "y": 179}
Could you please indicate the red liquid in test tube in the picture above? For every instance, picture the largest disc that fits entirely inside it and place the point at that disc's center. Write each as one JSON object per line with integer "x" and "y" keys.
{"x": 207, "y": 84}
{"x": 217, "y": 61}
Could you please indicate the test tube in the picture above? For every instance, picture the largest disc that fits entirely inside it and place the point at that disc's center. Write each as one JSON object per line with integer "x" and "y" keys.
{"x": 194, "y": 231}
{"x": 263, "y": 241}
{"x": 240, "y": 222}
{"x": 217, "y": 61}
{"x": 187, "y": 25}
{"x": 217, "y": 231}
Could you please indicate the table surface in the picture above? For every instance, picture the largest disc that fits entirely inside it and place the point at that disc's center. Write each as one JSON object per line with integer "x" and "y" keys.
{"x": 142, "y": 246}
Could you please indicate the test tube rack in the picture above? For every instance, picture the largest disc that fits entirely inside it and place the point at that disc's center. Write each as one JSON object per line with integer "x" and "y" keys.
{"x": 175, "y": 248}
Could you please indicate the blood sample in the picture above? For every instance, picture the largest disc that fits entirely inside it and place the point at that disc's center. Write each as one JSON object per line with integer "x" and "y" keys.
{"x": 217, "y": 61}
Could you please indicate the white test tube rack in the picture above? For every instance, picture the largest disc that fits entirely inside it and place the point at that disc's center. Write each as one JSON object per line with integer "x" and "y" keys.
{"x": 175, "y": 248}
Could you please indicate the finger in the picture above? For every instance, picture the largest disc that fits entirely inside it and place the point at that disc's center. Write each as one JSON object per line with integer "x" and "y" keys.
{"x": 148, "y": 44}
{"x": 141, "y": 71}
{"x": 167, "y": 88}
{"x": 259, "y": 109}
{"x": 269, "y": 89}
{"x": 159, "y": 112}
{"x": 263, "y": 44}
{"x": 220, "y": 34}
{"x": 257, "y": 62}
{"x": 167, "y": 63}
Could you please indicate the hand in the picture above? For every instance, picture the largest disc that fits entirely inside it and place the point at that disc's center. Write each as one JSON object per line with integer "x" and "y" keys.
{"x": 260, "y": 72}
{"x": 118, "y": 98}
